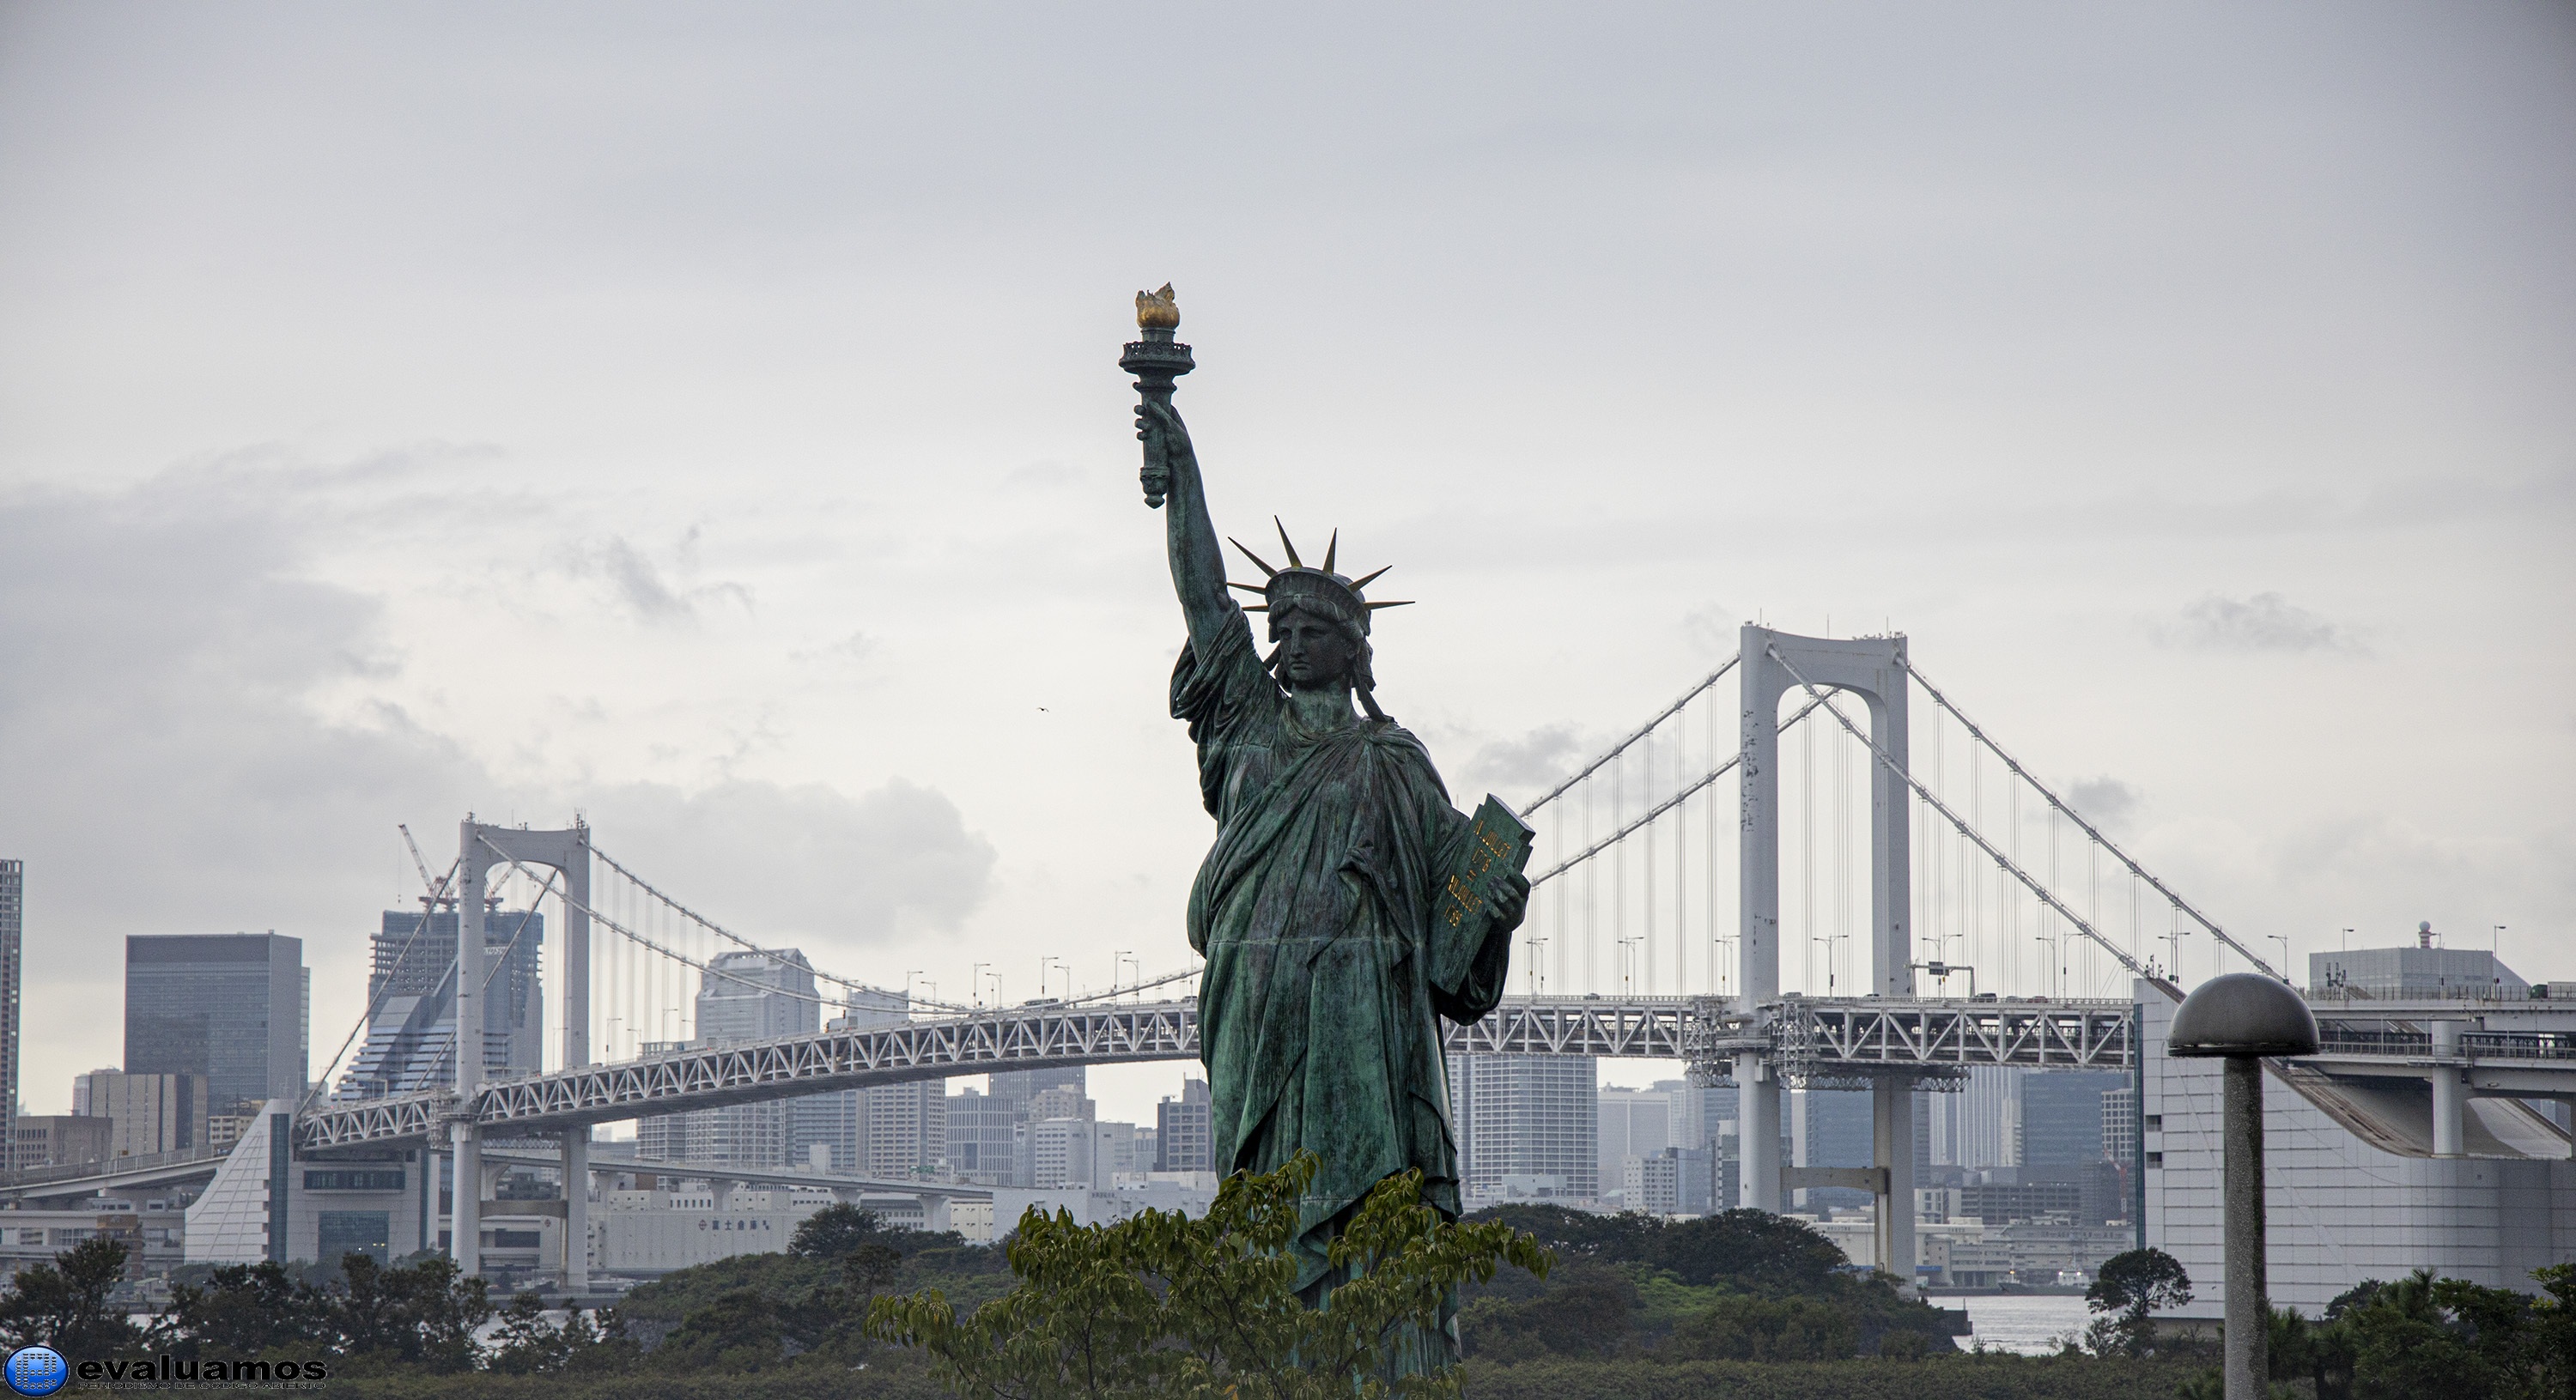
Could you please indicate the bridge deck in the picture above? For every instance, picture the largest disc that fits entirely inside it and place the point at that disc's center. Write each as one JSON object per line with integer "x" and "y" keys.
{"x": 1814, "y": 1037}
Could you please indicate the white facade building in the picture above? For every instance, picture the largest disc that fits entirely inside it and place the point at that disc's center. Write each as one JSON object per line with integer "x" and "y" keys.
{"x": 2351, "y": 1188}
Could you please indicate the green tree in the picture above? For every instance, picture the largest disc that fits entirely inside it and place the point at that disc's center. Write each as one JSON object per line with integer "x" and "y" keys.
{"x": 247, "y": 1310}
{"x": 1586, "y": 1313}
{"x": 1747, "y": 1328}
{"x": 2128, "y": 1288}
{"x": 1163, "y": 1306}
{"x": 834, "y": 1231}
{"x": 529, "y": 1343}
{"x": 64, "y": 1304}
{"x": 2553, "y": 1323}
{"x": 423, "y": 1315}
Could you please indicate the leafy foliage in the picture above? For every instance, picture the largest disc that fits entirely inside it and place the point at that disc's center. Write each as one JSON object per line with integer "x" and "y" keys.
{"x": 1763, "y": 1329}
{"x": 833, "y": 1231}
{"x": 2129, "y": 1287}
{"x": 529, "y": 1343}
{"x": 1750, "y": 1250}
{"x": 1161, "y": 1305}
{"x": 1740, "y": 1284}
{"x": 64, "y": 1304}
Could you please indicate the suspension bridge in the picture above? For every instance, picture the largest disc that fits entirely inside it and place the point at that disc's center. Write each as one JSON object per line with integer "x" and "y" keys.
{"x": 1865, "y": 904}
{"x": 1764, "y": 882}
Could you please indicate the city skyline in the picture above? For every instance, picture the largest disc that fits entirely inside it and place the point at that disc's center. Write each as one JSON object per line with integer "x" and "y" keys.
{"x": 2186, "y": 386}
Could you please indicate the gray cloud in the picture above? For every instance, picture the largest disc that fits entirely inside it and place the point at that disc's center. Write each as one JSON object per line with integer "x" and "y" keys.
{"x": 1529, "y": 761}
{"x": 2264, "y": 622}
{"x": 639, "y": 586}
{"x": 168, "y": 769}
{"x": 2105, "y": 801}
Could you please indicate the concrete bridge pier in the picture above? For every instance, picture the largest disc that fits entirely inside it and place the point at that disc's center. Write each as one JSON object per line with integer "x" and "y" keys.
{"x": 576, "y": 1231}
{"x": 2450, "y": 1091}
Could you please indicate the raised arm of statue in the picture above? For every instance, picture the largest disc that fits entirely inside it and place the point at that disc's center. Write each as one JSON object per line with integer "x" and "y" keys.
{"x": 1198, "y": 565}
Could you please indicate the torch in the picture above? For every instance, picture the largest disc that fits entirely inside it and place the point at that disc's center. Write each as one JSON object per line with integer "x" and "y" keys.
{"x": 1156, "y": 361}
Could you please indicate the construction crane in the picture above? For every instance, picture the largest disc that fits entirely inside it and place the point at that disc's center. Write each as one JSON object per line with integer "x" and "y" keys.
{"x": 431, "y": 899}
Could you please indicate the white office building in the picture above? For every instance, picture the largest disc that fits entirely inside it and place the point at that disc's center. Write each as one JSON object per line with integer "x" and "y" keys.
{"x": 2352, "y": 1188}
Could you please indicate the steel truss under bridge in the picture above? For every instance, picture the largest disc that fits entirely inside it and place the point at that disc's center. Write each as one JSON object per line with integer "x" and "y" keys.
{"x": 1818, "y": 1040}
{"x": 1826, "y": 1043}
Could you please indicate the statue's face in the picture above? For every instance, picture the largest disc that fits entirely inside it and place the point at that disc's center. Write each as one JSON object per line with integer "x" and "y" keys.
{"x": 1313, "y": 653}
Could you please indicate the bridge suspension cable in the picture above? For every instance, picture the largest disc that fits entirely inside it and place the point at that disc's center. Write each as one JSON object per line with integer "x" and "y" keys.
{"x": 2106, "y": 843}
{"x": 1641, "y": 732}
{"x": 706, "y": 969}
{"x": 1660, "y": 808}
{"x": 2045, "y": 895}
{"x": 720, "y": 930}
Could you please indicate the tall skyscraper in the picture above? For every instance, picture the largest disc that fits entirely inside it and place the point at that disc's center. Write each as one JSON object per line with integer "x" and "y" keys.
{"x": 1533, "y": 1125}
{"x": 1019, "y": 1086}
{"x": 906, "y": 1128}
{"x": 1181, "y": 1137}
{"x": 13, "y": 903}
{"x": 889, "y": 1132}
{"x": 411, "y": 1035}
{"x": 1634, "y": 1123}
{"x": 2061, "y": 1116}
{"x": 982, "y": 1131}
{"x": 1980, "y": 1125}
{"x": 743, "y": 996}
{"x": 230, "y": 1007}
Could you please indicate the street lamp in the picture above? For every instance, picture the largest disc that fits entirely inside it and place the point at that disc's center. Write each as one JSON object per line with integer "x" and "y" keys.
{"x": 975, "y": 982}
{"x": 2284, "y": 940}
{"x": 2241, "y": 1017}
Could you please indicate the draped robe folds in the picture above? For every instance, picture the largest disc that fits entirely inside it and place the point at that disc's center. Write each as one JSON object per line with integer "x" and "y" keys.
{"x": 1319, "y": 1012}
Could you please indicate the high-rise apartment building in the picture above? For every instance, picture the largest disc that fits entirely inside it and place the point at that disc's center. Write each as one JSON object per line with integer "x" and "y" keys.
{"x": 231, "y": 1008}
{"x": 1672, "y": 1181}
{"x": 1533, "y": 1125}
{"x": 1979, "y": 1126}
{"x": 1634, "y": 1123}
{"x": 2120, "y": 1125}
{"x": 982, "y": 1131}
{"x": 2061, "y": 1116}
{"x": 149, "y": 1112}
{"x": 1017, "y": 1087}
{"x": 906, "y": 1128}
{"x": 13, "y": 904}
{"x": 743, "y": 996}
{"x": 1181, "y": 1130}
{"x": 411, "y": 1034}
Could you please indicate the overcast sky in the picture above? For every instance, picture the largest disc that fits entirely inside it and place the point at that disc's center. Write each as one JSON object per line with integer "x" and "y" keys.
{"x": 705, "y": 417}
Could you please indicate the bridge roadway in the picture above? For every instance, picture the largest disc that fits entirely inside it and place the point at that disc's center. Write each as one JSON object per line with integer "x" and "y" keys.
{"x": 1814, "y": 1041}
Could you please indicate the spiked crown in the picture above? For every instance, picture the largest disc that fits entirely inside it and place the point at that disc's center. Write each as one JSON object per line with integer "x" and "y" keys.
{"x": 1280, "y": 586}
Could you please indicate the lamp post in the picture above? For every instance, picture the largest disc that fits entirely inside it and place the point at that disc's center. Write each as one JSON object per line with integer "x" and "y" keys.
{"x": 2284, "y": 940}
{"x": 2242, "y": 1017}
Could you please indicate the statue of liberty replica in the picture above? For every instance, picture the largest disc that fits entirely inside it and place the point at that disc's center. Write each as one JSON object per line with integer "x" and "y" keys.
{"x": 1346, "y": 908}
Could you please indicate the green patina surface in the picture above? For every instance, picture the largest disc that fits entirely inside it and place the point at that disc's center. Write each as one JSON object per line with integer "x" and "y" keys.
{"x": 1326, "y": 907}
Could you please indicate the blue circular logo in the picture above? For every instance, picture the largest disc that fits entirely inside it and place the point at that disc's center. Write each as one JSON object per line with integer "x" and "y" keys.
{"x": 37, "y": 1371}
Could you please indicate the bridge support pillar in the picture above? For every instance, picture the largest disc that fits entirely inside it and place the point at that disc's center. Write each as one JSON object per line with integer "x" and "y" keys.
{"x": 576, "y": 1231}
{"x": 465, "y": 1201}
{"x": 2450, "y": 1093}
{"x": 1892, "y": 1142}
{"x": 1757, "y": 1107}
{"x": 934, "y": 1214}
